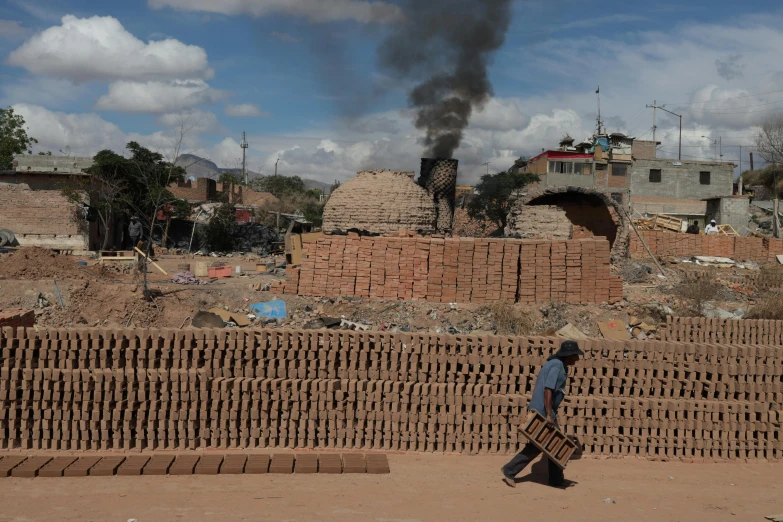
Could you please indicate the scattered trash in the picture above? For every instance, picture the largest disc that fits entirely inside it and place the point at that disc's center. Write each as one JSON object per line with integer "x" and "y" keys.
{"x": 609, "y": 501}
{"x": 614, "y": 330}
{"x": 270, "y": 310}
{"x": 229, "y": 317}
{"x": 350, "y": 325}
{"x": 207, "y": 320}
{"x": 570, "y": 331}
{"x": 43, "y": 302}
{"x": 186, "y": 278}
{"x": 775, "y": 518}
{"x": 671, "y": 478}
{"x": 81, "y": 263}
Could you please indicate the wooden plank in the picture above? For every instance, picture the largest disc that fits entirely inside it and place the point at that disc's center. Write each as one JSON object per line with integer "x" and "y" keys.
{"x": 151, "y": 261}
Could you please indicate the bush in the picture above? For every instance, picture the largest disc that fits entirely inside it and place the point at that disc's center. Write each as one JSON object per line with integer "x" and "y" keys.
{"x": 219, "y": 233}
{"x": 698, "y": 293}
{"x": 509, "y": 319}
{"x": 770, "y": 307}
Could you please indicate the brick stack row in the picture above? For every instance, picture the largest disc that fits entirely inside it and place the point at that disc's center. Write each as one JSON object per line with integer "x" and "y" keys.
{"x": 723, "y": 331}
{"x": 763, "y": 280}
{"x": 456, "y": 270}
{"x": 96, "y": 389}
{"x": 685, "y": 245}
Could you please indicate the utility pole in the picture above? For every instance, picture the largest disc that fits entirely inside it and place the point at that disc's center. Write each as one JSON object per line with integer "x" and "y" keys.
{"x": 751, "y": 162}
{"x": 715, "y": 142}
{"x": 655, "y": 108}
{"x": 598, "y": 120}
{"x": 720, "y": 139}
{"x": 486, "y": 165}
{"x": 244, "y": 146}
{"x": 276, "y": 162}
{"x": 679, "y": 154}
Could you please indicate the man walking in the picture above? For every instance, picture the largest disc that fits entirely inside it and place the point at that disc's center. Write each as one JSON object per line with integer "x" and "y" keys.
{"x": 547, "y": 396}
{"x": 134, "y": 231}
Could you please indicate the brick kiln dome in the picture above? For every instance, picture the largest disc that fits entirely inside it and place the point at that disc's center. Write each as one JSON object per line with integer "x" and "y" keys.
{"x": 380, "y": 202}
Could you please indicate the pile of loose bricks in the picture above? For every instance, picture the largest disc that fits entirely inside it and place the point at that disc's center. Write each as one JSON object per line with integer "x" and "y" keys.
{"x": 682, "y": 245}
{"x": 101, "y": 389}
{"x": 455, "y": 270}
{"x": 723, "y": 331}
{"x": 191, "y": 464}
{"x": 16, "y": 318}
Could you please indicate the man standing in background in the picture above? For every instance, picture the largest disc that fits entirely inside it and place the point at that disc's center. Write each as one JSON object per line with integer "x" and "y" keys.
{"x": 135, "y": 231}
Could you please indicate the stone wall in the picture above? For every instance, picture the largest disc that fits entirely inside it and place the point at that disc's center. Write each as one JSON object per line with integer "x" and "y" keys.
{"x": 455, "y": 270}
{"x": 688, "y": 245}
{"x": 100, "y": 389}
{"x": 33, "y": 208}
{"x": 724, "y": 331}
{"x": 539, "y": 222}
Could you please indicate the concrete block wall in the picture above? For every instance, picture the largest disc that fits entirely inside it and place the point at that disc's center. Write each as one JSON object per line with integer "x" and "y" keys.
{"x": 456, "y": 270}
{"x": 100, "y": 389}
{"x": 681, "y": 182}
{"x": 724, "y": 331}
{"x": 684, "y": 245}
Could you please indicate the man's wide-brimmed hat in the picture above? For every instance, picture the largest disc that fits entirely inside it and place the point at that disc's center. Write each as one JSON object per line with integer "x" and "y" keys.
{"x": 568, "y": 348}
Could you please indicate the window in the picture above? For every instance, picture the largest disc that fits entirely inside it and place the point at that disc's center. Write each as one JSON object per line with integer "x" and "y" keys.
{"x": 655, "y": 175}
{"x": 619, "y": 169}
{"x": 618, "y": 198}
{"x": 600, "y": 166}
{"x": 561, "y": 167}
{"x": 704, "y": 178}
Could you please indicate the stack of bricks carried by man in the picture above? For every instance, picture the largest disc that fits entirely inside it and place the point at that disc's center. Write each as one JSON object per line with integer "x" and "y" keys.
{"x": 457, "y": 270}
{"x": 149, "y": 389}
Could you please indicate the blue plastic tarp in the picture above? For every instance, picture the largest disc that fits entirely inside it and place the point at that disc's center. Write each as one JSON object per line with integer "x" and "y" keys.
{"x": 270, "y": 310}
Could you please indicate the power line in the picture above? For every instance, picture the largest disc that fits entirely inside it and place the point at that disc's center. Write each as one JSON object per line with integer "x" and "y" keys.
{"x": 686, "y": 104}
{"x": 742, "y": 107}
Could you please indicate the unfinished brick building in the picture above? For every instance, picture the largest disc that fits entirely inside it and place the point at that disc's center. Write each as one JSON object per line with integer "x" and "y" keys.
{"x": 380, "y": 202}
{"x": 33, "y": 207}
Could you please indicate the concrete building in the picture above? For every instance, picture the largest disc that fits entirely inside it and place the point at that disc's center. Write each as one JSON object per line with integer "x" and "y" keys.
{"x": 33, "y": 208}
{"x": 729, "y": 210}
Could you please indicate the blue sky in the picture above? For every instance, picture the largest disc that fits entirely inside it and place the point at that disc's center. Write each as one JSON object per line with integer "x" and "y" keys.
{"x": 301, "y": 77}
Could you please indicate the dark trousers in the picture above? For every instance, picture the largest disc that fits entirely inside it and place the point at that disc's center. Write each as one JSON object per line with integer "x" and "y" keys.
{"x": 522, "y": 459}
{"x": 134, "y": 241}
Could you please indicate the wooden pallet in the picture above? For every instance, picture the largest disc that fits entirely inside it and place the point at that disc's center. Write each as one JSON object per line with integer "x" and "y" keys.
{"x": 659, "y": 222}
{"x": 550, "y": 440}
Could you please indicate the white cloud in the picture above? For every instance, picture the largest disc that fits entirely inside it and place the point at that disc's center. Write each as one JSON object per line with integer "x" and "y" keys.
{"x": 500, "y": 114}
{"x": 48, "y": 92}
{"x": 195, "y": 121}
{"x": 85, "y": 134}
{"x": 313, "y": 10}
{"x": 158, "y": 97}
{"x": 100, "y": 48}
{"x": 245, "y": 110}
{"x": 11, "y": 30}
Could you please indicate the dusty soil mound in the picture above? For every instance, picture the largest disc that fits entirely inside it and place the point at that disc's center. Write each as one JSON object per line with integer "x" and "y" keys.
{"x": 40, "y": 263}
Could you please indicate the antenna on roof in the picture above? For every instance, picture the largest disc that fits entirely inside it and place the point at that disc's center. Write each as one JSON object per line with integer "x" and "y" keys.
{"x": 598, "y": 120}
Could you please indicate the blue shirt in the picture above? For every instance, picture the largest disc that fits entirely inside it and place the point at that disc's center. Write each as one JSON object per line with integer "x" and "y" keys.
{"x": 552, "y": 376}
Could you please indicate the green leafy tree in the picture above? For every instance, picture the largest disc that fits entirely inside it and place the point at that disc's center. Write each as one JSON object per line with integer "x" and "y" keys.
{"x": 280, "y": 185}
{"x": 493, "y": 194}
{"x": 219, "y": 233}
{"x": 13, "y": 138}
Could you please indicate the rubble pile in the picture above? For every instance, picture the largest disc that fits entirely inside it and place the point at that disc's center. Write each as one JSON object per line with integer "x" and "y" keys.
{"x": 539, "y": 222}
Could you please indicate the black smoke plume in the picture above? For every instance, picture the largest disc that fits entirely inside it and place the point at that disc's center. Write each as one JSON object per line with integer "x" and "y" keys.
{"x": 446, "y": 46}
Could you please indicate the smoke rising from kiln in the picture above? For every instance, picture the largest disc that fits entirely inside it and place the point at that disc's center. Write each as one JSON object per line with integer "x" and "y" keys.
{"x": 446, "y": 46}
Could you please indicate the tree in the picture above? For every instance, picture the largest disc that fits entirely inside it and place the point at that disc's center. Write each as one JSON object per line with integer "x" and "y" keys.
{"x": 493, "y": 194}
{"x": 280, "y": 185}
{"x": 13, "y": 138}
{"x": 219, "y": 233}
{"x": 334, "y": 187}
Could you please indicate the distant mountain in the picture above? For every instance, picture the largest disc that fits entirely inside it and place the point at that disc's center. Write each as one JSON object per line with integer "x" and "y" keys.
{"x": 198, "y": 167}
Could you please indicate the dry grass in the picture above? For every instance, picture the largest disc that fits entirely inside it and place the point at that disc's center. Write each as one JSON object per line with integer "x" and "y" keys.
{"x": 770, "y": 307}
{"x": 510, "y": 319}
{"x": 697, "y": 294}
{"x": 634, "y": 273}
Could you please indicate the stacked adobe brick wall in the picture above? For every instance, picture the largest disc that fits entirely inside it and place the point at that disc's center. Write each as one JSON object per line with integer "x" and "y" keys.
{"x": 201, "y": 190}
{"x": 682, "y": 245}
{"x": 456, "y": 270}
{"x": 723, "y": 331}
{"x": 94, "y": 389}
{"x": 758, "y": 280}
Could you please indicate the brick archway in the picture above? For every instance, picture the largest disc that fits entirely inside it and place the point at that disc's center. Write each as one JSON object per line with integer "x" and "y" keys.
{"x": 576, "y": 201}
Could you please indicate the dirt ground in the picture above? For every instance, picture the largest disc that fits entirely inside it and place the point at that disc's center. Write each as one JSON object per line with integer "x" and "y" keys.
{"x": 420, "y": 488}
{"x": 111, "y": 296}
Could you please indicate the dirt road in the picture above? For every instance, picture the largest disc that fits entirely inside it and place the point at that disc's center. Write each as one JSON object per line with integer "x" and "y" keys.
{"x": 420, "y": 488}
